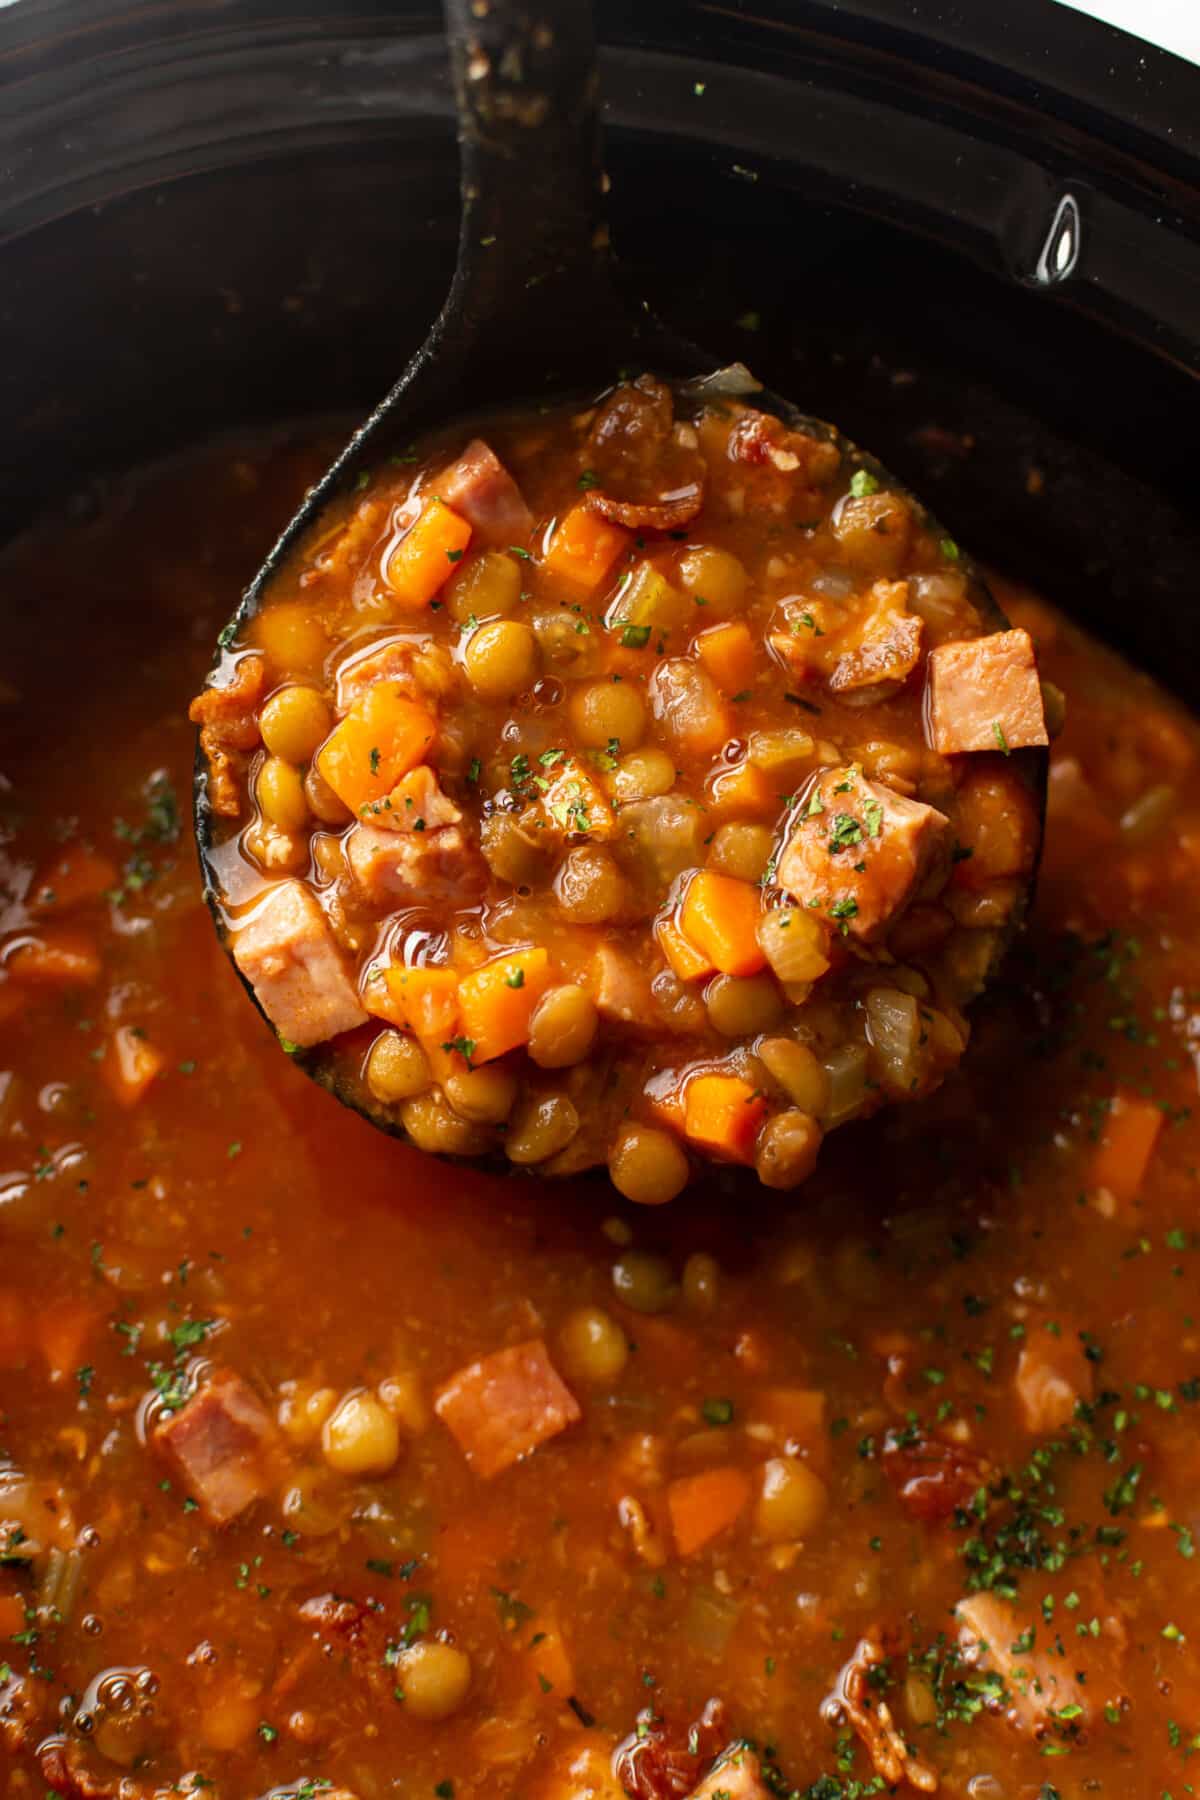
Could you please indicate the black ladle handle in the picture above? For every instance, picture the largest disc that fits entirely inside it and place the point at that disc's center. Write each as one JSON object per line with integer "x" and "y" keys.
{"x": 533, "y": 292}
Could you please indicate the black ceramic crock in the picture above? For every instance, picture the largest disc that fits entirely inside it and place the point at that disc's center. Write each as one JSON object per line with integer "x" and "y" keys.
{"x": 971, "y": 235}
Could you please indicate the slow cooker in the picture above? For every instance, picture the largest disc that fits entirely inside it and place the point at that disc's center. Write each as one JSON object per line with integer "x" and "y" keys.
{"x": 972, "y": 235}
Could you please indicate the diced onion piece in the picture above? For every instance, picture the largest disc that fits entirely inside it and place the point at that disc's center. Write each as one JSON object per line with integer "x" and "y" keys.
{"x": 846, "y": 1068}
{"x": 894, "y": 1030}
{"x": 794, "y": 942}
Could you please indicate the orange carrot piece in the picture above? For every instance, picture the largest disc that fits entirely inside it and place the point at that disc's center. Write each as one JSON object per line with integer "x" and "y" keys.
{"x": 382, "y": 737}
{"x": 14, "y": 1330}
{"x": 702, "y": 1506}
{"x": 423, "y": 1001}
{"x": 742, "y": 789}
{"x": 130, "y": 1064}
{"x": 55, "y": 959}
{"x": 496, "y": 1002}
{"x": 795, "y": 1415}
{"x": 62, "y": 1329}
{"x": 1126, "y": 1146}
{"x": 12, "y": 1615}
{"x": 550, "y": 1667}
{"x": 720, "y": 917}
{"x": 584, "y": 547}
{"x": 723, "y": 1114}
{"x": 72, "y": 878}
{"x": 683, "y": 957}
{"x": 727, "y": 652}
{"x": 428, "y": 554}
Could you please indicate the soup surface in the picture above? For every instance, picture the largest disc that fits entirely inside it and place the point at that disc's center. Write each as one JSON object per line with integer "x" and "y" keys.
{"x": 328, "y": 1468}
{"x": 655, "y": 787}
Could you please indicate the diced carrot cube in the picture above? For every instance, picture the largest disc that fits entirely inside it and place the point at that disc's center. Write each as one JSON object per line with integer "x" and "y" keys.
{"x": 669, "y": 1108}
{"x": 428, "y": 554}
{"x": 550, "y": 1666}
{"x": 496, "y": 1002}
{"x": 382, "y": 737}
{"x": 423, "y": 1001}
{"x": 54, "y": 959}
{"x": 720, "y": 917}
{"x": 723, "y": 1114}
{"x": 501, "y": 1408}
{"x": 130, "y": 1064}
{"x": 1126, "y": 1146}
{"x": 703, "y": 1506}
{"x": 795, "y": 1415}
{"x": 584, "y": 547}
{"x": 728, "y": 653}
{"x": 73, "y": 877}
{"x": 742, "y": 789}
{"x": 62, "y": 1329}
{"x": 683, "y": 957}
{"x": 14, "y": 1330}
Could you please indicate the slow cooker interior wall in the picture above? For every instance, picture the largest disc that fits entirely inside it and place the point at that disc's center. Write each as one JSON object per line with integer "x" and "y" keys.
{"x": 297, "y": 285}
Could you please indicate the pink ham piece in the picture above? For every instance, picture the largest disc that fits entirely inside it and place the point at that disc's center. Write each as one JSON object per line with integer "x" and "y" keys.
{"x": 480, "y": 488}
{"x": 501, "y": 1408}
{"x": 222, "y": 1446}
{"x": 984, "y": 694}
{"x": 391, "y": 660}
{"x": 290, "y": 957}
{"x": 857, "y": 852}
{"x": 1053, "y": 1376}
{"x": 431, "y": 868}
{"x": 1039, "y": 1680}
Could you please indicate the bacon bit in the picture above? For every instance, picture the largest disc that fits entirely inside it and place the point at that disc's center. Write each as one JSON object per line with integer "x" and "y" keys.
{"x": 932, "y": 1479}
{"x": 228, "y": 721}
{"x": 758, "y": 439}
{"x": 356, "y": 1632}
{"x": 656, "y": 1763}
{"x": 670, "y": 510}
{"x": 854, "y": 1703}
{"x": 649, "y": 479}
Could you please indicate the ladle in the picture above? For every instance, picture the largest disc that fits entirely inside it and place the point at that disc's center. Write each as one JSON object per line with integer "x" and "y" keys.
{"x": 536, "y": 308}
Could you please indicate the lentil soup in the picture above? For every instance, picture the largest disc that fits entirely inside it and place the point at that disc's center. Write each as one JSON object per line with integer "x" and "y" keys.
{"x": 656, "y": 787}
{"x": 325, "y": 1468}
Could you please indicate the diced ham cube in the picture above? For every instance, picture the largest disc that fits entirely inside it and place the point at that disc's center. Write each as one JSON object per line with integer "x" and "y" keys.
{"x": 501, "y": 1408}
{"x": 390, "y": 661}
{"x": 222, "y": 1444}
{"x": 1039, "y": 1682}
{"x": 736, "y": 1775}
{"x": 1053, "y": 1375}
{"x": 620, "y": 988}
{"x": 290, "y": 957}
{"x": 416, "y": 803}
{"x": 883, "y": 652}
{"x": 984, "y": 694}
{"x": 857, "y": 852}
{"x": 480, "y": 488}
{"x": 415, "y": 868}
